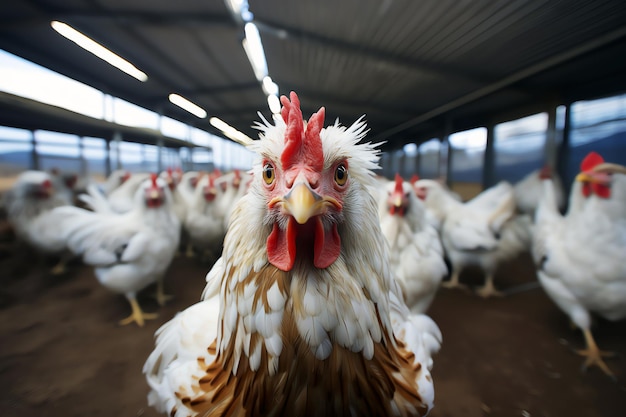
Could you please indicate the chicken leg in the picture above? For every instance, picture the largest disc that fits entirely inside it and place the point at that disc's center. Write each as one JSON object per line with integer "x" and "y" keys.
{"x": 454, "y": 281}
{"x": 160, "y": 295}
{"x": 594, "y": 355}
{"x": 137, "y": 315}
{"x": 489, "y": 290}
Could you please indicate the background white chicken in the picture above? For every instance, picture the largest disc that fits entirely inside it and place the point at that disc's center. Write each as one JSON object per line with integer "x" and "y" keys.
{"x": 306, "y": 305}
{"x": 122, "y": 198}
{"x": 128, "y": 251}
{"x": 528, "y": 190}
{"x": 28, "y": 204}
{"x": 580, "y": 256}
{"x": 483, "y": 232}
{"x": 416, "y": 254}
{"x": 204, "y": 223}
{"x": 436, "y": 204}
{"x": 114, "y": 180}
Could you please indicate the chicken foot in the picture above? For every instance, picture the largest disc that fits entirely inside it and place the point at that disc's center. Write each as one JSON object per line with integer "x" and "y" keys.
{"x": 594, "y": 355}
{"x": 454, "y": 282}
{"x": 59, "y": 268}
{"x": 489, "y": 290}
{"x": 137, "y": 315}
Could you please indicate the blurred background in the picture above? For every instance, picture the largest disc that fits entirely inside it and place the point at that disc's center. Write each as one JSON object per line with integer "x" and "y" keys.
{"x": 466, "y": 92}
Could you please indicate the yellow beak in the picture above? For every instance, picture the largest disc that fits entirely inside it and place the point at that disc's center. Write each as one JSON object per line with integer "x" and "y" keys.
{"x": 303, "y": 203}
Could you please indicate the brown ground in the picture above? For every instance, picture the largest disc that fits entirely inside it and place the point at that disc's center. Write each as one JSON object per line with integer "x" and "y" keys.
{"x": 62, "y": 352}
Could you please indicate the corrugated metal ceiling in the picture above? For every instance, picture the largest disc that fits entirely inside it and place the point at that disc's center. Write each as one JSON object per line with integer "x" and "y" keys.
{"x": 410, "y": 66}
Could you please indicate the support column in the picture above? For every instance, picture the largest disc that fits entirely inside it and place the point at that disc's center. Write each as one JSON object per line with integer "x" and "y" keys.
{"x": 563, "y": 150}
{"x": 489, "y": 163}
{"x": 83, "y": 161}
{"x": 117, "y": 138}
{"x": 550, "y": 147}
{"x": 160, "y": 154}
{"x": 107, "y": 158}
{"x": 34, "y": 156}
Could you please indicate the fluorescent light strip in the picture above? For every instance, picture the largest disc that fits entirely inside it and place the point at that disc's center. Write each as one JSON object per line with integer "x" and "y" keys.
{"x": 98, "y": 50}
{"x": 185, "y": 104}
{"x": 254, "y": 50}
{"x": 274, "y": 103}
{"x": 230, "y": 131}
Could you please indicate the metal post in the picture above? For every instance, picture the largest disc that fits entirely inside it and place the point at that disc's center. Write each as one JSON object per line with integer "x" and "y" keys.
{"x": 117, "y": 138}
{"x": 83, "y": 160}
{"x": 550, "y": 147}
{"x": 489, "y": 159}
{"x": 34, "y": 156}
{"x": 563, "y": 151}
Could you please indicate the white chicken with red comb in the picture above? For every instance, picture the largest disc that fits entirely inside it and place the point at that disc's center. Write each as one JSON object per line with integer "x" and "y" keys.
{"x": 301, "y": 315}
{"x": 580, "y": 256}
{"x": 128, "y": 251}
{"x": 528, "y": 190}
{"x": 416, "y": 254}
{"x": 204, "y": 226}
{"x": 28, "y": 204}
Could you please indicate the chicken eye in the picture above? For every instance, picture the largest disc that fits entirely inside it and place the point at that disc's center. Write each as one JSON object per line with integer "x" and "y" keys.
{"x": 341, "y": 174}
{"x": 268, "y": 173}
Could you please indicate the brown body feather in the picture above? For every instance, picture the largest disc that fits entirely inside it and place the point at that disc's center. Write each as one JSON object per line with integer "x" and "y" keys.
{"x": 344, "y": 384}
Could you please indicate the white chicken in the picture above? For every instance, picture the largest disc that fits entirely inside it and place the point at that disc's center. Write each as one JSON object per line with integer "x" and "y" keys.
{"x": 173, "y": 178}
{"x": 436, "y": 204}
{"x": 114, "y": 180}
{"x": 416, "y": 254}
{"x": 204, "y": 224}
{"x": 580, "y": 256}
{"x": 301, "y": 315}
{"x": 529, "y": 189}
{"x": 28, "y": 204}
{"x": 241, "y": 183}
{"x": 128, "y": 251}
{"x": 482, "y": 232}
{"x": 122, "y": 198}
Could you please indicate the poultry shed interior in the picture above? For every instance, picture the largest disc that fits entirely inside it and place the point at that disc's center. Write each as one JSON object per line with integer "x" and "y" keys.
{"x": 244, "y": 207}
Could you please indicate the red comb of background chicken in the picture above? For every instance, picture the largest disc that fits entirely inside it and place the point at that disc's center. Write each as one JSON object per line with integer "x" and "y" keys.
{"x": 415, "y": 178}
{"x": 301, "y": 146}
{"x": 399, "y": 181}
{"x": 545, "y": 173}
{"x": 591, "y": 160}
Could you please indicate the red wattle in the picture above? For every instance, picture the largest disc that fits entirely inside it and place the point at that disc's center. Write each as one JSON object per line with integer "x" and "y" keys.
{"x": 601, "y": 190}
{"x": 281, "y": 246}
{"x": 327, "y": 245}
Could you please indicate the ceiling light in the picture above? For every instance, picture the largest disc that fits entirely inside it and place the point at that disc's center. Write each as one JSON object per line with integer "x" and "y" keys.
{"x": 274, "y": 103}
{"x": 230, "y": 131}
{"x": 254, "y": 50}
{"x": 269, "y": 86}
{"x": 98, "y": 50}
{"x": 240, "y": 10}
{"x": 185, "y": 104}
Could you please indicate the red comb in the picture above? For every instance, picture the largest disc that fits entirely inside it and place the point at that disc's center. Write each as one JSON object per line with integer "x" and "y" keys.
{"x": 169, "y": 171}
{"x": 415, "y": 178}
{"x": 545, "y": 172}
{"x": 153, "y": 177}
{"x": 399, "y": 180}
{"x": 301, "y": 145}
{"x": 591, "y": 160}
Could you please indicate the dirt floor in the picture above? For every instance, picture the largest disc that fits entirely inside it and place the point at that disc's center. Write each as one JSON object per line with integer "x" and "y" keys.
{"x": 62, "y": 352}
